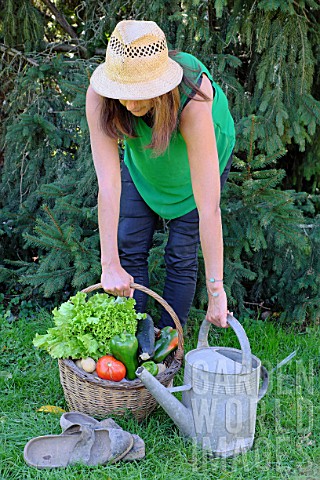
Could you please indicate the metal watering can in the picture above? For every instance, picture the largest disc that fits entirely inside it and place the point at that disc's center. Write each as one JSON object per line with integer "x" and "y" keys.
{"x": 220, "y": 394}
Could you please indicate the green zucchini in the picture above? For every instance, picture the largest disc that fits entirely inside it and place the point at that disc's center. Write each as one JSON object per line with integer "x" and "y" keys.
{"x": 145, "y": 336}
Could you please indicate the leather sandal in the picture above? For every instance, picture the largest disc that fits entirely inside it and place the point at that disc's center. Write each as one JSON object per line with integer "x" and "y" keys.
{"x": 70, "y": 422}
{"x": 89, "y": 445}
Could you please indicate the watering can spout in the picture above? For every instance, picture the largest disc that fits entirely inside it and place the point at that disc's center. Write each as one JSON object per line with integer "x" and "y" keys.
{"x": 180, "y": 414}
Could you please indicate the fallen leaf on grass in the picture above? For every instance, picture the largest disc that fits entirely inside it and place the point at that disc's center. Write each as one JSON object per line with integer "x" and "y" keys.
{"x": 50, "y": 409}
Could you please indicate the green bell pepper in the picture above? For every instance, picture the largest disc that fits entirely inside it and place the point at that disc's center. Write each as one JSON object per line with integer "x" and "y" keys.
{"x": 124, "y": 347}
{"x": 151, "y": 367}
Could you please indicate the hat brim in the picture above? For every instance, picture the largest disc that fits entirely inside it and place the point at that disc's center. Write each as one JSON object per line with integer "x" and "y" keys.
{"x": 106, "y": 87}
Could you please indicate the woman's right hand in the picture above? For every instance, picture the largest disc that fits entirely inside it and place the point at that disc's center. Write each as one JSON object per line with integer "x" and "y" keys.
{"x": 117, "y": 281}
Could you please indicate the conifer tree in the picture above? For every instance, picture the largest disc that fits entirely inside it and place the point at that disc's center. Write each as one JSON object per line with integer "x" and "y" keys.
{"x": 264, "y": 55}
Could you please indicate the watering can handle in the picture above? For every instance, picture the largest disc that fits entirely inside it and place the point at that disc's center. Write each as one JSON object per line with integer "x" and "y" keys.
{"x": 265, "y": 382}
{"x": 241, "y": 335}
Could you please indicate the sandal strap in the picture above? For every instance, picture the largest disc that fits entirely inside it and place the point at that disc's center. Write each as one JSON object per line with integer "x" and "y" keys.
{"x": 82, "y": 450}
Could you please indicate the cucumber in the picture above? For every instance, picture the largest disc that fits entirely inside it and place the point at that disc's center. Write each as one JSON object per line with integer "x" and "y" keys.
{"x": 145, "y": 336}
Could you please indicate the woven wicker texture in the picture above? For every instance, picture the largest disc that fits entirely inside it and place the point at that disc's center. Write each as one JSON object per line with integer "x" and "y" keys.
{"x": 137, "y": 65}
{"x": 89, "y": 394}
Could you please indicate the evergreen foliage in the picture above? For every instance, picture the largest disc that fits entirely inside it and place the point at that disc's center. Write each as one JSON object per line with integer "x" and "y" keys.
{"x": 265, "y": 56}
{"x": 22, "y": 25}
{"x": 276, "y": 245}
{"x": 53, "y": 177}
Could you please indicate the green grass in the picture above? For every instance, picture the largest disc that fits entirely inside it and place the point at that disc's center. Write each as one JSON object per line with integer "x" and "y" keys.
{"x": 287, "y": 431}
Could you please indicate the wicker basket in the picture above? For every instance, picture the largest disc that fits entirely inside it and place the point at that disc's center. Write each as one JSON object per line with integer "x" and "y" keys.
{"x": 92, "y": 395}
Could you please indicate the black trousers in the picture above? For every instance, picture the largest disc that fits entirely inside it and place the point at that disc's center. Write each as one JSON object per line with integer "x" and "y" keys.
{"x": 137, "y": 224}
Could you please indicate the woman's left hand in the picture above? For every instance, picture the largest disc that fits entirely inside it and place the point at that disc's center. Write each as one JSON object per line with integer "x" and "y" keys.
{"x": 217, "y": 309}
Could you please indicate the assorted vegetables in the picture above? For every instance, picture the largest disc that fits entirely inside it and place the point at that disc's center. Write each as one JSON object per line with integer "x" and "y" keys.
{"x": 84, "y": 326}
{"x": 107, "y": 337}
{"x": 124, "y": 361}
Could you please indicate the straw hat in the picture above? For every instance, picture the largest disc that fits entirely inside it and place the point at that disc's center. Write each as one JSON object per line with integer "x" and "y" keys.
{"x": 137, "y": 65}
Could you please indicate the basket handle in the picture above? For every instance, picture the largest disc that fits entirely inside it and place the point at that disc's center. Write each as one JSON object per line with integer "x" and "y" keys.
{"x": 166, "y": 306}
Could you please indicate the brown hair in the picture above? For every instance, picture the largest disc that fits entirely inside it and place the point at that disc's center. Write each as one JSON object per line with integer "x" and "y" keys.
{"x": 116, "y": 121}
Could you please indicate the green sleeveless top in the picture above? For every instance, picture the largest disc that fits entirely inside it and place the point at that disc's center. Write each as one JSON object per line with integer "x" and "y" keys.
{"x": 164, "y": 182}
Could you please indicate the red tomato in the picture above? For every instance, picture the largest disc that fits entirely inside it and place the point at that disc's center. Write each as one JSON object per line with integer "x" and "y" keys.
{"x": 109, "y": 368}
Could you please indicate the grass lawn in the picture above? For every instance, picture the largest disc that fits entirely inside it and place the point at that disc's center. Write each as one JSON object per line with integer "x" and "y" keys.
{"x": 287, "y": 431}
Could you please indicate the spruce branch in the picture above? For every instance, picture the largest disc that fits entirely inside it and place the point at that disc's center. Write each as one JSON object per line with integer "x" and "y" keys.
{"x": 65, "y": 25}
{"x": 303, "y": 11}
{"x": 54, "y": 221}
{"x": 22, "y": 173}
{"x": 61, "y": 19}
{"x": 13, "y": 52}
{"x": 260, "y": 305}
{"x": 55, "y": 47}
{"x": 39, "y": 242}
{"x": 250, "y": 157}
{"x": 211, "y": 15}
{"x": 69, "y": 48}
{"x": 253, "y": 6}
{"x": 61, "y": 47}
{"x": 303, "y": 58}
